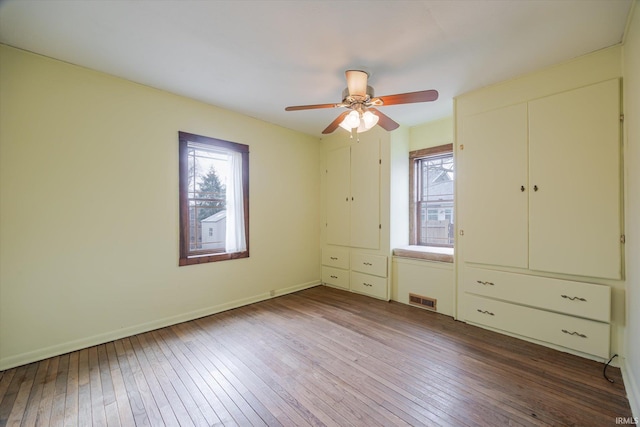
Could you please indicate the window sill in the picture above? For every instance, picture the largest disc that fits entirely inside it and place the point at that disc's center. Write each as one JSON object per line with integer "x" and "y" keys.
{"x": 429, "y": 253}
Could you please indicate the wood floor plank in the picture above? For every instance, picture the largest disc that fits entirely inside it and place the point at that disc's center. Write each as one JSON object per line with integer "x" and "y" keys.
{"x": 123, "y": 399}
{"x": 319, "y": 357}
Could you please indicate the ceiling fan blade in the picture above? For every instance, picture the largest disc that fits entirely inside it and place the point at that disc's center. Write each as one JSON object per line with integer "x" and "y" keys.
{"x": 408, "y": 98}
{"x": 386, "y": 122}
{"x": 357, "y": 82}
{"x": 334, "y": 124}
{"x": 311, "y": 107}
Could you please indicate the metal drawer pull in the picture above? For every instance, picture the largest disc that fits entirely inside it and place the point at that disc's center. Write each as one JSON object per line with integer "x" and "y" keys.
{"x": 574, "y": 333}
{"x": 367, "y": 263}
{"x": 573, "y": 298}
{"x": 333, "y": 277}
{"x": 367, "y": 284}
{"x": 334, "y": 258}
{"x": 486, "y": 312}
{"x": 486, "y": 283}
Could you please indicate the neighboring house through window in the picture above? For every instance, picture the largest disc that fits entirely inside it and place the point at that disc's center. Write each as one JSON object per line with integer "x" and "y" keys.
{"x": 431, "y": 203}
{"x": 214, "y": 199}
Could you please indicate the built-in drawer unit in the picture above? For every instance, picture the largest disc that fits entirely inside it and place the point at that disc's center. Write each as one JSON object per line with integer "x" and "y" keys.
{"x": 335, "y": 257}
{"x": 368, "y": 284}
{"x": 563, "y": 296}
{"x": 335, "y": 277}
{"x": 369, "y": 264}
{"x": 575, "y": 333}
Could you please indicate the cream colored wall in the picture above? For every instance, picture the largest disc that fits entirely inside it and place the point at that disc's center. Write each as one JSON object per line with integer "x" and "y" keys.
{"x": 89, "y": 212}
{"x": 631, "y": 95}
{"x": 596, "y": 67}
{"x": 431, "y": 134}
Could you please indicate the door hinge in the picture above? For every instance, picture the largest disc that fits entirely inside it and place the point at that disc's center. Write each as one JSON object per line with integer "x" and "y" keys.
{"x": 462, "y": 232}
{"x": 461, "y": 147}
{"x": 623, "y": 238}
{"x": 622, "y": 117}
{"x": 379, "y": 161}
{"x": 380, "y": 226}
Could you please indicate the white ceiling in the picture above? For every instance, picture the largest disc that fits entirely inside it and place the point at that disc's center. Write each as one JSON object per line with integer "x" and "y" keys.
{"x": 259, "y": 56}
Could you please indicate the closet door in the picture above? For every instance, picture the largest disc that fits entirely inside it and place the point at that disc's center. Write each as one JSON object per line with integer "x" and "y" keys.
{"x": 492, "y": 183}
{"x": 574, "y": 224}
{"x": 338, "y": 189}
{"x": 365, "y": 193}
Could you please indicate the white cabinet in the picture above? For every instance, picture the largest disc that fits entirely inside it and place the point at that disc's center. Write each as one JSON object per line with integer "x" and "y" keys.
{"x": 353, "y": 195}
{"x": 335, "y": 267}
{"x": 360, "y": 272}
{"x": 492, "y": 176}
{"x": 355, "y": 228}
{"x": 574, "y": 180}
{"x": 570, "y": 314}
{"x": 539, "y": 184}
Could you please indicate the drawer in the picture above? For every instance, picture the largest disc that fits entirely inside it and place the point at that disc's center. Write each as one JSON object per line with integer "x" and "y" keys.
{"x": 335, "y": 257}
{"x": 583, "y": 335}
{"x": 336, "y": 277}
{"x": 369, "y": 264}
{"x": 370, "y": 285}
{"x": 564, "y": 296}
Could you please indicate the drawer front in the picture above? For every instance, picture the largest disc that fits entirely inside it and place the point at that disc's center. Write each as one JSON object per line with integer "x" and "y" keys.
{"x": 564, "y": 296}
{"x": 370, "y": 285}
{"x": 578, "y": 334}
{"x": 336, "y": 277}
{"x": 369, "y": 264}
{"x": 335, "y": 257}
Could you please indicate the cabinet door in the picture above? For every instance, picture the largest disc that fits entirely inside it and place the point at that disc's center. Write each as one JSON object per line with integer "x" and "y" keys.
{"x": 365, "y": 193}
{"x": 338, "y": 196}
{"x": 574, "y": 223}
{"x": 492, "y": 175}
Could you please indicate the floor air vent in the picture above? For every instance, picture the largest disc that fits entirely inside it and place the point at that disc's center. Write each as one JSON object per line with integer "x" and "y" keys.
{"x": 424, "y": 302}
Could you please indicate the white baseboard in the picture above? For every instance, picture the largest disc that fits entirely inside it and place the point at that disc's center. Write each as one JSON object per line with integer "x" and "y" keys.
{"x": 66, "y": 347}
{"x": 632, "y": 387}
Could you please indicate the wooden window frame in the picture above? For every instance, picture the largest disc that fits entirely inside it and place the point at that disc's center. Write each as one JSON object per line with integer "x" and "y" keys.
{"x": 414, "y": 156}
{"x": 188, "y": 257}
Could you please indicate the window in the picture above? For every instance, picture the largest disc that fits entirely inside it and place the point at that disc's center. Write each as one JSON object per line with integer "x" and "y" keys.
{"x": 431, "y": 210}
{"x": 214, "y": 199}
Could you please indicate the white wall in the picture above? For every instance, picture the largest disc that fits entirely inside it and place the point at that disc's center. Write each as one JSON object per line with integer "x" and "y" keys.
{"x": 431, "y": 134}
{"x": 89, "y": 209}
{"x": 631, "y": 95}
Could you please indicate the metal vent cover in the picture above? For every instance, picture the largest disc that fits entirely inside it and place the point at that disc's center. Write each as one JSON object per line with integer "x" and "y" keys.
{"x": 424, "y": 302}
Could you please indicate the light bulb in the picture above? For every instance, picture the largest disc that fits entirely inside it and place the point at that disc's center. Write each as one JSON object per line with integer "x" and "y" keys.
{"x": 369, "y": 119}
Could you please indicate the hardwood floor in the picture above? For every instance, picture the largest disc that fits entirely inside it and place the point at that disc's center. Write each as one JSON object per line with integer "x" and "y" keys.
{"x": 317, "y": 357}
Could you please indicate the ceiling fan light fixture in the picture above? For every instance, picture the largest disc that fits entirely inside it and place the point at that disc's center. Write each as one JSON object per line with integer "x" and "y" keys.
{"x": 352, "y": 120}
{"x": 363, "y": 123}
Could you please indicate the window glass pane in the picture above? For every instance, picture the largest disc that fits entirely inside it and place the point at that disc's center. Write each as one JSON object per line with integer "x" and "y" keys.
{"x": 435, "y": 200}
{"x": 207, "y": 198}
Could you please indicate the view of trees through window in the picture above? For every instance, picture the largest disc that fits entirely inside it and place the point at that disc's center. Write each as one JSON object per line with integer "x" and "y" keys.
{"x": 214, "y": 199}
{"x": 207, "y": 198}
{"x": 434, "y": 207}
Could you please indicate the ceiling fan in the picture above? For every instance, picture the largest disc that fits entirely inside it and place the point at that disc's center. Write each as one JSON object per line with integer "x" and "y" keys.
{"x": 359, "y": 98}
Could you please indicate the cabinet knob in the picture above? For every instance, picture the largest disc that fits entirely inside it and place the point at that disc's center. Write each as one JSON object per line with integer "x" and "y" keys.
{"x": 522, "y": 188}
{"x": 535, "y": 188}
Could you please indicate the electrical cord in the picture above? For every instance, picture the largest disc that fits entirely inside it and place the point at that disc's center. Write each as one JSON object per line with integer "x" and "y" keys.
{"x": 604, "y": 371}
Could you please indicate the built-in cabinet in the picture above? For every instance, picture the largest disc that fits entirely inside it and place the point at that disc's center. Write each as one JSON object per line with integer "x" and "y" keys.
{"x": 355, "y": 255}
{"x": 353, "y": 195}
{"x": 539, "y": 199}
{"x": 540, "y": 184}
